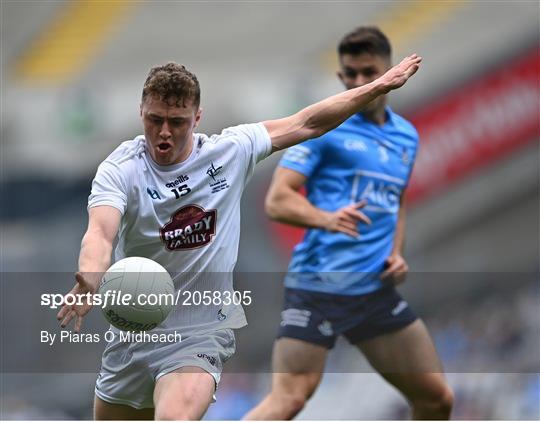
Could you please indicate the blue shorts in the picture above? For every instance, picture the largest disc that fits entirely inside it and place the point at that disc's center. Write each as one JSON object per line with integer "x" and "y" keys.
{"x": 319, "y": 318}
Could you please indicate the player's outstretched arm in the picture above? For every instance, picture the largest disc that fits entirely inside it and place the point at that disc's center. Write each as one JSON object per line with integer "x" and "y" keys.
{"x": 284, "y": 203}
{"x": 94, "y": 260}
{"x": 319, "y": 118}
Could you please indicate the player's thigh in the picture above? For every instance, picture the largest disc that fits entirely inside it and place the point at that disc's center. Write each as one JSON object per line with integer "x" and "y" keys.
{"x": 407, "y": 359}
{"x": 297, "y": 366}
{"x": 107, "y": 411}
{"x": 183, "y": 394}
{"x": 407, "y": 350}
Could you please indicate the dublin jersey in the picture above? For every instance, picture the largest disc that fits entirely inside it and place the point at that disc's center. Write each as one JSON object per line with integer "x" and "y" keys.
{"x": 186, "y": 217}
{"x": 358, "y": 160}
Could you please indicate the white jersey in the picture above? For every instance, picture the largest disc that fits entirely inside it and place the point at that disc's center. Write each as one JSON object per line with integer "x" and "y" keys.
{"x": 185, "y": 216}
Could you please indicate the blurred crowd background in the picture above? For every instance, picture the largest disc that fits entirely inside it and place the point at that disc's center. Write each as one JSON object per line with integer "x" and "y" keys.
{"x": 72, "y": 75}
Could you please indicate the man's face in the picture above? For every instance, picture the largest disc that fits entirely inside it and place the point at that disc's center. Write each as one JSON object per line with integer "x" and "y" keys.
{"x": 168, "y": 129}
{"x": 360, "y": 69}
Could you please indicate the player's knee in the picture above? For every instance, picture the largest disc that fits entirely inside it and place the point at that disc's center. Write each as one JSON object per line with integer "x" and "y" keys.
{"x": 173, "y": 414}
{"x": 293, "y": 404}
{"x": 289, "y": 404}
{"x": 180, "y": 411}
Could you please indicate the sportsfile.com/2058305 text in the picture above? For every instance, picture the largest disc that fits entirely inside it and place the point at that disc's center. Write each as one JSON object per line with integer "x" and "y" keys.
{"x": 117, "y": 297}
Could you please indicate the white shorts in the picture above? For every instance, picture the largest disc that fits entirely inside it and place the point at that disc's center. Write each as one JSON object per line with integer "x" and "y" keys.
{"x": 129, "y": 371}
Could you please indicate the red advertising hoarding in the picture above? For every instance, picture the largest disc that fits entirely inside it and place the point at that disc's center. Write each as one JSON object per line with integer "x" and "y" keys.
{"x": 476, "y": 125}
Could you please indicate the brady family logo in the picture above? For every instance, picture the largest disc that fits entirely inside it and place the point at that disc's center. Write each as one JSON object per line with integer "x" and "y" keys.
{"x": 189, "y": 227}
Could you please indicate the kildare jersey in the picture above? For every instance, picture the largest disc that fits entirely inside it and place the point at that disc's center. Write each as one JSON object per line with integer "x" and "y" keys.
{"x": 186, "y": 217}
{"x": 358, "y": 160}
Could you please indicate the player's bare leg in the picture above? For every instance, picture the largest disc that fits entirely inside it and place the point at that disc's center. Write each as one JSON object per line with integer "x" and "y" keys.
{"x": 408, "y": 360}
{"x": 297, "y": 368}
{"x": 104, "y": 411}
{"x": 184, "y": 394}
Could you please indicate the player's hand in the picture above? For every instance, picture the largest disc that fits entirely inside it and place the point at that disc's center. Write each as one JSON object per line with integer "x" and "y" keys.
{"x": 396, "y": 269}
{"x": 399, "y": 74}
{"x": 85, "y": 284}
{"x": 346, "y": 219}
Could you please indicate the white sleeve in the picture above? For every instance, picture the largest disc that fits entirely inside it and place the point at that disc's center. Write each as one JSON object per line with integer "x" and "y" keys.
{"x": 254, "y": 142}
{"x": 109, "y": 188}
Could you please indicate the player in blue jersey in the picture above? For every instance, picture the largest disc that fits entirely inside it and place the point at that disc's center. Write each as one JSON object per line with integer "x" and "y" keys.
{"x": 342, "y": 275}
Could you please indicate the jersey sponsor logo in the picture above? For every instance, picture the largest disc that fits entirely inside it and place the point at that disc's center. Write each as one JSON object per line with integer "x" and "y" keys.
{"x": 180, "y": 179}
{"x": 355, "y": 145}
{"x": 211, "y": 359}
{"x": 297, "y": 317}
{"x": 217, "y": 184}
{"x": 401, "y": 306}
{"x": 153, "y": 193}
{"x": 189, "y": 227}
{"x": 382, "y": 191}
{"x": 325, "y": 328}
{"x": 383, "y": 197}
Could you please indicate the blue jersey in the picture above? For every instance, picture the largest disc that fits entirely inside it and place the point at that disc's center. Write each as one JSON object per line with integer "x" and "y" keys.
{"x": 358, "y": 160}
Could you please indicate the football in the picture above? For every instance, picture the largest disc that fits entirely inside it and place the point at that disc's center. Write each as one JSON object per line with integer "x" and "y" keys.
{"x": 137, "y": 294}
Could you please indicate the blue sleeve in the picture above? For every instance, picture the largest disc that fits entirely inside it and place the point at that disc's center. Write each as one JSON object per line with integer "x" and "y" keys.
{"x": 304, "y": 157}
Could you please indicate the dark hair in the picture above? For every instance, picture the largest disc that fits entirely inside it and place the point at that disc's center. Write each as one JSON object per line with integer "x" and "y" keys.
{"x": 365, "y": 39}
{"x": 172, "y": 83}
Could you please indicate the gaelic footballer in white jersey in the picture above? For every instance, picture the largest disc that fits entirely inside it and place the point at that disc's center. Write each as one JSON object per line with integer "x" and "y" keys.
{"x": 186, "y": 216}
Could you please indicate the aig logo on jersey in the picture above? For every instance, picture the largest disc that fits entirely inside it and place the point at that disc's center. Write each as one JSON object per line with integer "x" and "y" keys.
{"x": 382, "y": 191}
{"x": 189, "y": 227}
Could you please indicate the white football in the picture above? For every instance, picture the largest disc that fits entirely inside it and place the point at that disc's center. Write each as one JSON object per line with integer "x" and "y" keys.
{"x": 151, "y": 291}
